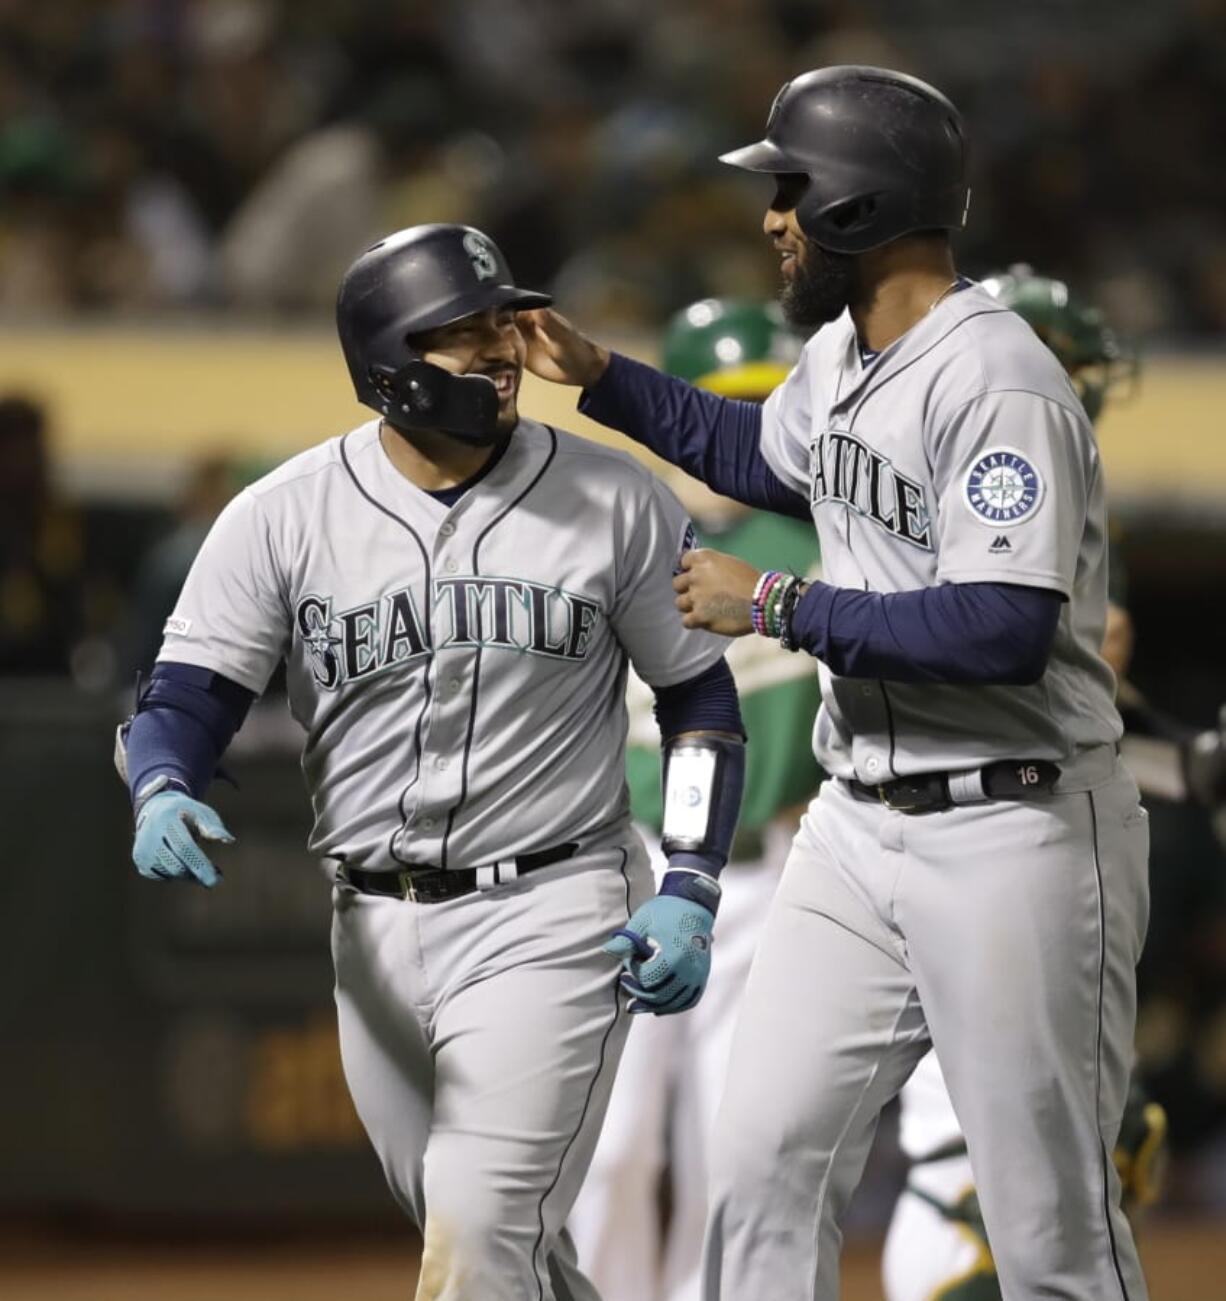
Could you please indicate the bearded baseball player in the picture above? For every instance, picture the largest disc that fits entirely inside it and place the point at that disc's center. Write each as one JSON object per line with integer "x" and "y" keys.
{"x": 662, "y": 1111}
{"x": 457, "y": 593}
{"x": 974, "y": 877}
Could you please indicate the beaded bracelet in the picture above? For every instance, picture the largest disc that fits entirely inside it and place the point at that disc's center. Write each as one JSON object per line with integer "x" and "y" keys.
{"x": 767, "y": 586}
{"x": 787, "y": 609}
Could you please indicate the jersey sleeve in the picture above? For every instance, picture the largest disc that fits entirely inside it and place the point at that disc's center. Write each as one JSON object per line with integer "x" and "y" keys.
{"x": 645, "y": 617}
{"x": 1013, "y": 473}
{"x": 787, "y": 429}
{"x": 231, "y": 616}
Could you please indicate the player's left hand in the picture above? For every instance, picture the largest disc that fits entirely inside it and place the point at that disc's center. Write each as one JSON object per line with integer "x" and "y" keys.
{"x": 167, "y": 828}
{"x": 714, "y": 591}
{"x": 665, "y": 950}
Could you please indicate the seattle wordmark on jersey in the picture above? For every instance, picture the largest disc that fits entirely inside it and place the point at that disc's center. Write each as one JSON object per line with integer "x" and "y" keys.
{"x": 848, "y": 470}
{"x": 475, "y": 610}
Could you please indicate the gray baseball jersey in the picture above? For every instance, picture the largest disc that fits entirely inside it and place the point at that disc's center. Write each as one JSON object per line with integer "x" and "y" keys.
{"x": 459, "y": 671}
{"x": 960, "y": 454}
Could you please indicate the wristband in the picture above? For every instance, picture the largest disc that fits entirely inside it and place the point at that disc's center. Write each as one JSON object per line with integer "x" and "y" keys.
{"x": 692, "y": 884}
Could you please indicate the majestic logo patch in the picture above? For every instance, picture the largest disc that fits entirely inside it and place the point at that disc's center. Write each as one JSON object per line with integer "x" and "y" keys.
{"x": 844, "y": 469}
{"x": 481, "y": 255}
{"x": 1003, "y": 488}
{"x": 1000, "y": 543}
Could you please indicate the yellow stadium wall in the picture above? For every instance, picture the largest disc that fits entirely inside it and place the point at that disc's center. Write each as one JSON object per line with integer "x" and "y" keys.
{"x": 132, "y": 406}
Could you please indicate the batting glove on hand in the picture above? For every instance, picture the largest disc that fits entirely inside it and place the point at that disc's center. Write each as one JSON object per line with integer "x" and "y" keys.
{"x": 665, "y": 950}
{"x": 165, "y": 847}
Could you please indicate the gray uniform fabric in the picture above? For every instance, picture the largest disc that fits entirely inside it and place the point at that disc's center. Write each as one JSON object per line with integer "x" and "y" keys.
{"x": 460, "y": 673}
{"x": 887, "y": 454}
{"x": 1004, "y": 933}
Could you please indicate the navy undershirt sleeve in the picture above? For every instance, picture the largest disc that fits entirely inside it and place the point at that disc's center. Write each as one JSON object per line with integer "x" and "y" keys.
{"x": 713, "y": 438}
{"x": 184, "y": 721}
{"x": 967, "y": 633}
{"x": 706, "y": 703}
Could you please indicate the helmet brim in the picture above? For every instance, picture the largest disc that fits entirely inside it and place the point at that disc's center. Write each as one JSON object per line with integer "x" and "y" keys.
{"x": 761, "y": 157}
{"x": 481, "y": 300}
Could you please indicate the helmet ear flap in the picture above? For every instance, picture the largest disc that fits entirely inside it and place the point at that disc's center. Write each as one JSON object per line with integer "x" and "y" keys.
{"x": 856, "y": 214}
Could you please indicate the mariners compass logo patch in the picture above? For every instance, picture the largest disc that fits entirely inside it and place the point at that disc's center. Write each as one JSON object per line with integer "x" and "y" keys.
{"x": 1003, "y": 488}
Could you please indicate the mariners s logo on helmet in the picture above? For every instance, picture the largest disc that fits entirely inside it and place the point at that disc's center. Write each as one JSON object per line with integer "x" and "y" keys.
{"x": 1003, "y": 487}
{"x": 481, "y": 255}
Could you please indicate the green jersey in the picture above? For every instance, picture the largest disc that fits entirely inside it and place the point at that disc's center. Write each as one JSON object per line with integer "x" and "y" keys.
{"x": 779, "y": 691}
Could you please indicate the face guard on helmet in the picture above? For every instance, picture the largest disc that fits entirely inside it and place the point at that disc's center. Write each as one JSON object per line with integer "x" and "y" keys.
{"x": 416, "y": 280}
{"x": 1084, "y": 344}
{"x": 883, "y": 154}
{"x": 736, "y": 349}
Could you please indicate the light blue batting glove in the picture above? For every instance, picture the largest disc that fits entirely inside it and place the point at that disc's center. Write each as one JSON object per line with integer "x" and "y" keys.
{"x": 665, "y": 950}
{"x": 165, "y": 847}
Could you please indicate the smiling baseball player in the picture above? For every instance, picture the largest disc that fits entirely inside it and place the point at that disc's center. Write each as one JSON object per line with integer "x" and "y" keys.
{"x": 457, "y": 593}
{"x": 974, "y": 877}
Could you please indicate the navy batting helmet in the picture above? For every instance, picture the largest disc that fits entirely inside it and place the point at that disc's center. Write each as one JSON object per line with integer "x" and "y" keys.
{"x": 884, "y": 153}
{"x": 417, "y": 280}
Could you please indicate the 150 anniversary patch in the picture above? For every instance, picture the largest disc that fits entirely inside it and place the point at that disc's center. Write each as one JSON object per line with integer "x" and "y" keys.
{"x": 1002, "y": 488}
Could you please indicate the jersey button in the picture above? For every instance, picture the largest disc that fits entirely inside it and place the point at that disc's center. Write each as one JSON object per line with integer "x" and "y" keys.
{"x": 454, "y": 685}
{"x": 447, "y": 529}
{"x": 441, "y": 765}
{"x": 427, "y": 824}
{"x": 866, "y": 690}
{"x": 450, "y": 566}
{"x": 871, "y": 765}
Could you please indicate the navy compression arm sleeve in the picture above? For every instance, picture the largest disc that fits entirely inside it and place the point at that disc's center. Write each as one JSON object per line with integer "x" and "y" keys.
{"x": 706, "y": 703}
{"x": 713, "y": 438}
{"x": 184, "y": 721}
{"x": 968, "y": 633}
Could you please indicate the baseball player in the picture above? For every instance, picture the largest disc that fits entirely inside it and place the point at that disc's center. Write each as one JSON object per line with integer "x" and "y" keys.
{"x": 974, "y": 876}
{"x": 936, "y": 1245}
{"x": 663, "y": 1105}
{"x": 457, "y": 593}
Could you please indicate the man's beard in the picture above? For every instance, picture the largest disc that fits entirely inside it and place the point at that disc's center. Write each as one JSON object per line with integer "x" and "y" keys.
{"x": 820, "y": 287}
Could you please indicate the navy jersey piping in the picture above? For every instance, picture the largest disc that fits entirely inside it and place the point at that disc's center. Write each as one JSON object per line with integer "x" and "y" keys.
{"x": 936, "y": 343}
{"x": 1098, "y": 1046}
{"x": 428, "y": 685}
{"x": 587, "y": 1102}
{"x": 472, "y": 708}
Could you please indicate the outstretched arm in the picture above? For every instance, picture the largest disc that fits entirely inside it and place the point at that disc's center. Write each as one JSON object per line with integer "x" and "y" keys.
{"x": 713, "y": 438}
{"x": 966, "y": 633}
{"x": 184, "y": 721}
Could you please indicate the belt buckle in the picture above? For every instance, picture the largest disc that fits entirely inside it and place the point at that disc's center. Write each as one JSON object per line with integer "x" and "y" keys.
{"x": 891, "y": 805}
{"x": 405, "y": 877}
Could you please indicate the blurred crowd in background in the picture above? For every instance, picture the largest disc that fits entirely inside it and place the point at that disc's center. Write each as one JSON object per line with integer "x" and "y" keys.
{"x": 214, "y": 153}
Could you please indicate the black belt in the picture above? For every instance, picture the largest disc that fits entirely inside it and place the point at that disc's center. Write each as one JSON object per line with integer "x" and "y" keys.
{"x": 933, "y": 792}
{"x": 436, "y": 884}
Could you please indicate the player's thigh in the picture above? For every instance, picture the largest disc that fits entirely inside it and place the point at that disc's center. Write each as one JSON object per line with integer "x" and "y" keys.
{"x": 1024, "y": 923}
{"x": 525, "y": 1058}
{"x": 1036, "y": 909}
{"x": 385, "y": 1052}
{"x": 828, "y": 1017}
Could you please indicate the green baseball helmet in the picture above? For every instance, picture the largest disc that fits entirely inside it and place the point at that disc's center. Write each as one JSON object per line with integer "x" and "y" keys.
{"x": 736, "y": 349}
{"x": 1084, "y": 343}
